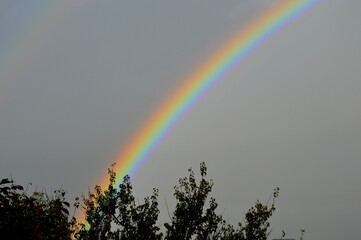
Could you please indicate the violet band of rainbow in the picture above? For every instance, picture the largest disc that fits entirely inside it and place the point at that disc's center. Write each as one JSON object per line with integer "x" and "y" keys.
{"x": 202, "y": 80}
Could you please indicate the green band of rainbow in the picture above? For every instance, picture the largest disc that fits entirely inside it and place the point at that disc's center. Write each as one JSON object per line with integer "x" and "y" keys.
{"x": 160, "y": 124}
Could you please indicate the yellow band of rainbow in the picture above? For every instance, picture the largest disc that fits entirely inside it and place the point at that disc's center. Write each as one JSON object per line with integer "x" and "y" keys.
{"x": 231, "y": 54}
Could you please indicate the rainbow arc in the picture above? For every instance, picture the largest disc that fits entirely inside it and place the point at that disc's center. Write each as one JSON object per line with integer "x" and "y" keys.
{"x": 202, "y": 80}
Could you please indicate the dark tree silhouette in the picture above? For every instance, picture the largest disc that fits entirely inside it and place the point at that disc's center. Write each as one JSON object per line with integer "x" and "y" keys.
{"x": 113, "y": 214}
{"x": 33, "y": 217}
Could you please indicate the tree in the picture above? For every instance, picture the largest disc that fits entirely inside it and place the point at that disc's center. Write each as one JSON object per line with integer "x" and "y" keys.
{"x": 190, "y": 218}
{"x": 113, "y": 214}
{"x": 33, "y": 217}
{"x": 256, "y": 224}
{"x": 118, "y": 207}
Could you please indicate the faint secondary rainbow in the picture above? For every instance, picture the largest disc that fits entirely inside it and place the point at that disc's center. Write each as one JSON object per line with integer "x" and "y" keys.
{"x": 30, "y": 41}
{"x": 159, "y": 125}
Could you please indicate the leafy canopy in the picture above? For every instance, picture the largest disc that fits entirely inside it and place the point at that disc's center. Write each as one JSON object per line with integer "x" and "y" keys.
{"x": 113, "y": 214}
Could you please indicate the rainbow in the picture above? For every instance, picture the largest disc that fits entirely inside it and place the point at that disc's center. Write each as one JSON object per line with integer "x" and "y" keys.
{"x": 141, "y": 146}
{"x": 200, "y": 82}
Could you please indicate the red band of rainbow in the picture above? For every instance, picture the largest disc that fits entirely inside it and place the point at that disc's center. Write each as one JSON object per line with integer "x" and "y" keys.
{"x": 199, "y": 83}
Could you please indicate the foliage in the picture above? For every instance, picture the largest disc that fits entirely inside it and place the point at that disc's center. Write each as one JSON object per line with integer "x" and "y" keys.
{"x": 256, "y": 224}
{"x": 33, "y": 217}
{"x": 113, "y": 214}
{"x": 119, "y": 208}
{"x": 191, "y": 218}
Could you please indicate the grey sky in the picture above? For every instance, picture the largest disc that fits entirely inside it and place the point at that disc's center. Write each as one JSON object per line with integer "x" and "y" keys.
{"x": 289, "y": 116}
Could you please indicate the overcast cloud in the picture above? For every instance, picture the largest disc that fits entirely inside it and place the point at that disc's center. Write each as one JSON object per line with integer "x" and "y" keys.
{"x": 78, "y": 78}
